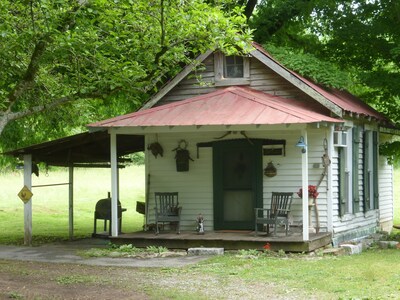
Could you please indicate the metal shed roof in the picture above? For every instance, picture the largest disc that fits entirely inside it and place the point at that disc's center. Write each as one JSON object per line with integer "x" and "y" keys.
{"x": 84, "y": 149}
{"x": 230, "y": 106}
{"x": 343, "y": 99}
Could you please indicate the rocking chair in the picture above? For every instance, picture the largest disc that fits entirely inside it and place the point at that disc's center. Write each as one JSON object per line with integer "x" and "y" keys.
{"x": 167, "y": 210}
{"x": 279, "y": 211}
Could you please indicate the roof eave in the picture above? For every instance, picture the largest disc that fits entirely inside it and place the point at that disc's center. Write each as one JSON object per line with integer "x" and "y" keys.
{"x": 171, "y": 84}
{"x": 295, "y": 80}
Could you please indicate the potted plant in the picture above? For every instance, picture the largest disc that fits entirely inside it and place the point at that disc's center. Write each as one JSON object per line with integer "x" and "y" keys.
{"x": 312, "y": 193}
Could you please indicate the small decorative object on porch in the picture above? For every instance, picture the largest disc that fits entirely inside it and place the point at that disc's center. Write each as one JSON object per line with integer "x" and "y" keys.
{"x": 312, "y": 202}
{"x": 270, "y": 170}
{"x": 200, "y": 224}
{"x": 156, "y": 149}
{"x": 312, "y": 192}
{"x": 182, "y": 156}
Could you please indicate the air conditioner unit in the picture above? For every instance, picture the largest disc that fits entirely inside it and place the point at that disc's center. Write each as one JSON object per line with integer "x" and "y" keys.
{"x": 340, "y": 138}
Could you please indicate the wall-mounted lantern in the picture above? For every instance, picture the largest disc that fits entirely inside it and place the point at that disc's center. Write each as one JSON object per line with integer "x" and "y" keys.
{"x": 301, "y": 144}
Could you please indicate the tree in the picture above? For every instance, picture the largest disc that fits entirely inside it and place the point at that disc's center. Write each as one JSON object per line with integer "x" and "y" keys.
{"x": 83, "y": 60}
{"x": 354, "y": 37}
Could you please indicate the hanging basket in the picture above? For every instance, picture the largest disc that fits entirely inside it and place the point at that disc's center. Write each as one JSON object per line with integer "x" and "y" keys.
{"x": 270, "y": 170}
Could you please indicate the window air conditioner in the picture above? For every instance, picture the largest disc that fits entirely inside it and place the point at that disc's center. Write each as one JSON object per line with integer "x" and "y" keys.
{"x": 340, "y": 138}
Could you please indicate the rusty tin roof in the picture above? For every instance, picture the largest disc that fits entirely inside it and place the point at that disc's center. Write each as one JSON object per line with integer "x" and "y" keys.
{"x": 229, "y": 106}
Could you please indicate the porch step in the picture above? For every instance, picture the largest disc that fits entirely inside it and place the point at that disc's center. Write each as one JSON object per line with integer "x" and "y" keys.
{"x": 205, "y": 251}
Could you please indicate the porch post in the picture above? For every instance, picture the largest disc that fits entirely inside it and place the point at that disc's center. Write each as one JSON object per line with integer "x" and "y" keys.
{"x": 28, "y": 204}
{"x": 329, "y": 177}
{"x": 114, "y": 183}
{"x": 71, "y": 202}
{"x": 304, "y": 177}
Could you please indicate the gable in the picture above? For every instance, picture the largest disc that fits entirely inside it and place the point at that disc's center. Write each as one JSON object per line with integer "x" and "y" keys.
{"x": 267, "y": 75}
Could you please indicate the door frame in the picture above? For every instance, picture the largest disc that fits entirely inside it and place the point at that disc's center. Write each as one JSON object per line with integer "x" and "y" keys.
{"x": 255, "y": 146}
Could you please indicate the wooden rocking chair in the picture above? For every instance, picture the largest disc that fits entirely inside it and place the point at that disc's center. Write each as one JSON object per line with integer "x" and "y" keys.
{"x": 279, "y": 211}
{"x": 167, "y": 210}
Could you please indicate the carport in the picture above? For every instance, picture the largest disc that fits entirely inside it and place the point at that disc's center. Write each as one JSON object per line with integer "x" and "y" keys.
{"x": 85, "y": 150}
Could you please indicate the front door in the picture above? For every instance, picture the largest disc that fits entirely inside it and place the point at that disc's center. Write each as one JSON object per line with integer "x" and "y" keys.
{"x": 237, "y": 183}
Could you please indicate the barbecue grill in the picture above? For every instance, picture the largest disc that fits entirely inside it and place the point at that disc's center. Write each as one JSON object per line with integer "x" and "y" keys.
{"x": 103, "y": 212}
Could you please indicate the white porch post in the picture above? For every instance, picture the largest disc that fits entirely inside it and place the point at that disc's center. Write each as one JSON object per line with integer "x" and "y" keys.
{"x": 28, "y": 204}
{"x": 304, "y": 177}
{"x": 71, "y": 202}
{"x": 329, "y": 176}
{"x": 114, "y": 183}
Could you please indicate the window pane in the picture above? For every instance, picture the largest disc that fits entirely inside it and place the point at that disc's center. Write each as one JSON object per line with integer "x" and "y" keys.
{"x": 233, "y": 67}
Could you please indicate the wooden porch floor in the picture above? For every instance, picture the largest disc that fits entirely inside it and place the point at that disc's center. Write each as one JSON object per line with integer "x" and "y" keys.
{"x": 229, "y": 240}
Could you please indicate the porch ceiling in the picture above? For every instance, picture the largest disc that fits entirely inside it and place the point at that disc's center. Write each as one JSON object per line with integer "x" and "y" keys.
{"x": 229, "y": 106}
{"x": 86, "y": 149}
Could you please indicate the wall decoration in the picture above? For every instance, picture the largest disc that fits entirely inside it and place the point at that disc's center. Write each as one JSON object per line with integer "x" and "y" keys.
{"x": 182, "y": 156}
{"x": 270, "y": 170}
{"x": 156, "y": 149}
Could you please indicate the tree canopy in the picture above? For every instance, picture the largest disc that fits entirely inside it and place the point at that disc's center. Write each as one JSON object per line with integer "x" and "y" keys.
{"x": 83, "y": 60}
{"x": 346, "y": 44}
{"x": 100, "y": 58}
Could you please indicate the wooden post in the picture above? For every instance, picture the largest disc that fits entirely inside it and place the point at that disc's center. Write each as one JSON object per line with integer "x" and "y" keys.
{"x": 71, "y": 202}
{"x": 114, "y": 183}
{"x": 28, "y": 204}
{"x": 304, "y": 176}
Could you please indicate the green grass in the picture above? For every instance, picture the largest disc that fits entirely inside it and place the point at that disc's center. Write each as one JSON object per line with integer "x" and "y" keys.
{"x": 371, "y": 275}
{"x": 50, "y": 204}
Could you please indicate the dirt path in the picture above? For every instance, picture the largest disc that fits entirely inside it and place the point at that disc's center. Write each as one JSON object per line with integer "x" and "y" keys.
{"x": 33, "y": 280}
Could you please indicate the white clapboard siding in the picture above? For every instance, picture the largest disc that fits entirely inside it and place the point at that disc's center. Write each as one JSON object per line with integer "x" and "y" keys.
{"x": 196, "y": 83}
{"x": 195, "y": 187}
{"x": 385, "y": 177}
{"x": 261, "y": 78}
{"x": 352, "y": 224}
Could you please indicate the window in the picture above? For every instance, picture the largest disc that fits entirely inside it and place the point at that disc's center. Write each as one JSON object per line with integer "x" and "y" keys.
{"x": 231, "y": 70}
{"x": 233, "y": 67}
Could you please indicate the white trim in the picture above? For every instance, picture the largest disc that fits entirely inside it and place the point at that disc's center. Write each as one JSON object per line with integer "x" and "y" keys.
{"x": 297, "y": 82}
{"x": 141, "y": 130}
{"x": 71, "y": 202}
{"x": 28, "y": 204}
{"x": 170, "y": 85}
{"x": 304, "y": 179}
{"x": 330, "y": 180}
{"x": 114, "y": 183}
{"x": 349, "y": 170}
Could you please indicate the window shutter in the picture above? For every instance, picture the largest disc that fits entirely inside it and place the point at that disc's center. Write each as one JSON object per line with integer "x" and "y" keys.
{"x": 366, "y": 174}
{"x": 342, "y": 181}
{"x": 356, "y": 157}
{"x": 375, "y": 169}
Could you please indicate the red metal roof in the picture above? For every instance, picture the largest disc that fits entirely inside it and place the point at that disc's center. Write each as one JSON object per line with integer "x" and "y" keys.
{"x": 343, "y": 99}
{"x": 230, "y": 106}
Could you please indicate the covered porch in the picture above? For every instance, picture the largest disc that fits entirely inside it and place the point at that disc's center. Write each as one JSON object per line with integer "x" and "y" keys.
{"x": 246, "y": 121}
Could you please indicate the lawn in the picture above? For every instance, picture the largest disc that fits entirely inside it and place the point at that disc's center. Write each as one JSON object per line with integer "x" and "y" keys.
{"x": 50, "y": 204}
{"x": 374, "y": 274}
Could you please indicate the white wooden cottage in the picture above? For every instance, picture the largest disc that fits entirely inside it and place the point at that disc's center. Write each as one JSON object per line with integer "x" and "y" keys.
{"x": 237, "y": 115}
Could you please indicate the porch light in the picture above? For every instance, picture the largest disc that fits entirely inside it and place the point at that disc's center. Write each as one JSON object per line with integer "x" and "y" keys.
{"x": 302, "y": 145}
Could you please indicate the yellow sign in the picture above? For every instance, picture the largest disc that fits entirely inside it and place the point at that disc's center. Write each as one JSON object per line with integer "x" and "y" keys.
{"x": 25, "y": 194}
